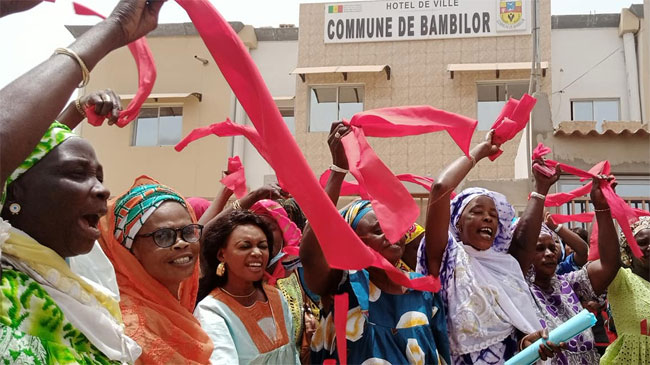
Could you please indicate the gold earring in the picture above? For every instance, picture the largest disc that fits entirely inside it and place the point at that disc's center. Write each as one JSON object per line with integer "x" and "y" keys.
{"x": 221, "y": 269}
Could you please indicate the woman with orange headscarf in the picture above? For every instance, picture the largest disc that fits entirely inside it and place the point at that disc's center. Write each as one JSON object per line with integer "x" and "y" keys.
{"x": 151, "y": 236}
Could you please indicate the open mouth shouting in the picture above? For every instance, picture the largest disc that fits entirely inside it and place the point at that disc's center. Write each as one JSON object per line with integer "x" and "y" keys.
{"x": 486, "y": 233}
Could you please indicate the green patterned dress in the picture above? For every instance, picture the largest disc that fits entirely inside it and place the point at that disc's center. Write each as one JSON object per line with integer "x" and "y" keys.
{"x": 33, "y": 329}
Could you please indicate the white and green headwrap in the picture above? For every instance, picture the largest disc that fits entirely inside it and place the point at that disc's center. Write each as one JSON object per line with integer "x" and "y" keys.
{"x": 55, "y": 135}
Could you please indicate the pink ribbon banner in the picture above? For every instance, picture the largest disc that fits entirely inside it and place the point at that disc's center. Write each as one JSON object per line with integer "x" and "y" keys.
{"x": 236, "y": 178}
{"x": 621, "y": 211}
{"x": 281, "y": 151}
{"x": 146, "y": 77}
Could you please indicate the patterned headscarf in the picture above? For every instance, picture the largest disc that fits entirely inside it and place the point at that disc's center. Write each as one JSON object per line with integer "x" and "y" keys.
{"x": 54, "y": 136}
{"x": 505, "y": 210}
{"x": 636, "y": 227}
{"x": 355, "y": 211}
{"x": 136, "y": 206}
{"x": 161, "y": 323}
{"x": 414, "y": 232}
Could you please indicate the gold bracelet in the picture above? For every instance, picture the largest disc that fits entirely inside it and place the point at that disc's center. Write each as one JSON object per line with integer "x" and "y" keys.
{"x": 80, "y": 109}
{"x": 85, "y": 74}
{"x": 236, "y": 205}
{"x": 601, "y": 210}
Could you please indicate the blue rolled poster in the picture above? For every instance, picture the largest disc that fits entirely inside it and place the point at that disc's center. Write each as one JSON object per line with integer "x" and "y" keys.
{"x": 566, "y": 331}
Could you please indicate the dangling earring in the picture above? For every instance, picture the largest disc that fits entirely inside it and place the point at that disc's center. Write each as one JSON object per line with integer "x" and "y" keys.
{"x": 221, "y": 269}
{"x": 14, "y": 208}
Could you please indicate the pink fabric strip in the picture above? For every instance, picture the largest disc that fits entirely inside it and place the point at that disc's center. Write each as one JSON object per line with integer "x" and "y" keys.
{"x": 283, "y": 153}
{"x": 392, "y": 203}
{"x": 146, "y": 77}
{"x": 236, "y": 178}
{"x": 348, "y": 187}
{"x": 226, "y": 129}
{"x": 513, "y": 118}
{"x": 414, "y": 120}
{"x": 620, "y": 211}
{"x": 352, "y": 188}
{"x": 341, "y": 305}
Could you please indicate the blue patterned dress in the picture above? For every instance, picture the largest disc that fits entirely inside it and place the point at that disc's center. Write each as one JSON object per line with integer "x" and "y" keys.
{"x": 384, "y": 328}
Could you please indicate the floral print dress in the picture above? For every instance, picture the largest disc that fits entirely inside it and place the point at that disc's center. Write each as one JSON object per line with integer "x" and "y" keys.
{"x": 383, "y": 328}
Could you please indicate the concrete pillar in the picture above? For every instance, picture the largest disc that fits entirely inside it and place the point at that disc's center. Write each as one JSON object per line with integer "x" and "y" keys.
{"x": 627, "y": 27}
{"x": 237, "y": 115}
{"x": 632, "y": 73}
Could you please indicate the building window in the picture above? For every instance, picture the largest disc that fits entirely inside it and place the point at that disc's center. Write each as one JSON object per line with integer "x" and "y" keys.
{"x": 158, "y": 126}
{"x": 332, "y": 103}
{"x": 597, "y": 110}
{"x": 492, "y": 97}
{"x": 289, "y": 119}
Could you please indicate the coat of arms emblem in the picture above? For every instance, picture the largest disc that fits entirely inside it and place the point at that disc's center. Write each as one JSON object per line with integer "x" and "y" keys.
{"x": 510, "y": 12}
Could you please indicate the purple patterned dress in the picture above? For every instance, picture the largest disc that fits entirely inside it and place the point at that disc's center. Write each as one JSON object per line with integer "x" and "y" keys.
{"x": 562, "y": 302}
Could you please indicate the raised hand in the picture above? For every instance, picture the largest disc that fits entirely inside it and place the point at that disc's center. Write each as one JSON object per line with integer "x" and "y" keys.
{"x": 543, "y": 182}
{"x": 485, "y": 148}
{"x": 106, "y": 103}
{"x": 548, "y": 220}
{"x": 338, "y": 131}
{"x": 597, "y": 197}
{"x": 135, "y": 18}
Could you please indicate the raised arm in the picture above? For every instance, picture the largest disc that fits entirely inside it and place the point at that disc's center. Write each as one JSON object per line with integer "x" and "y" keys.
{"x": 31, "y": 102}
{"x": 603, "y": 271}
{"x": 16, "y": 6}
{"x": 437, "y": 222}
{"x": 217, "y": 206}
{"x": 268, "y": 191}
{"x": 577, "y": 244}
{"x": 320, "y": 277}
{"x": 525, "y": 236}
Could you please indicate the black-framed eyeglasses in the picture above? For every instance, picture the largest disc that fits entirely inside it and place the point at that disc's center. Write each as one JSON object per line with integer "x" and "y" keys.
{"x": 166, "y": 237}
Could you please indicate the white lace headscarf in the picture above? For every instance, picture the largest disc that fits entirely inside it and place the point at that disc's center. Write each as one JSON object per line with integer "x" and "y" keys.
{"x": 487, "y": 295}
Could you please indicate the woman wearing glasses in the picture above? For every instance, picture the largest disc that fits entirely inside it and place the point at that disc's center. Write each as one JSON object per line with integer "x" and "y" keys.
{"x": 248, "y": 321}
{"x": 151, "y": 236}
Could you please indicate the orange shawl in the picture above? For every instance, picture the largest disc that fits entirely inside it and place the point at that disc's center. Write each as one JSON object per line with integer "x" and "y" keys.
{"x": 164, "y": 327}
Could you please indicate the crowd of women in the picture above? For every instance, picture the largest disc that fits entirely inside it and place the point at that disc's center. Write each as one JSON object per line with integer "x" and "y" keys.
{"x": 152, "y": 277}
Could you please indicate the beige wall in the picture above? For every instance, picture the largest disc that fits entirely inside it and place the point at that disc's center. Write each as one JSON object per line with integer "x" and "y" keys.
{"x": 195, "y": 171}
{"x": 418, "y": 76}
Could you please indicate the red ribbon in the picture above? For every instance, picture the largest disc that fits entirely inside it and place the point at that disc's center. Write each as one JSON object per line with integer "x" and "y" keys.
{"x": 414, "y": 120}
{"x": 281, "y": 150}
{"x": 226, "y": 129}
{"x": 352, "y": 187}
{"x": 513, "y": 118}
{"x": 341, "y": 301}
{"x": 622, "y": 213}
{"x": 236, "y": 178}
{"x": 146, "y": 77}
{"x": 392, "y": 203}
